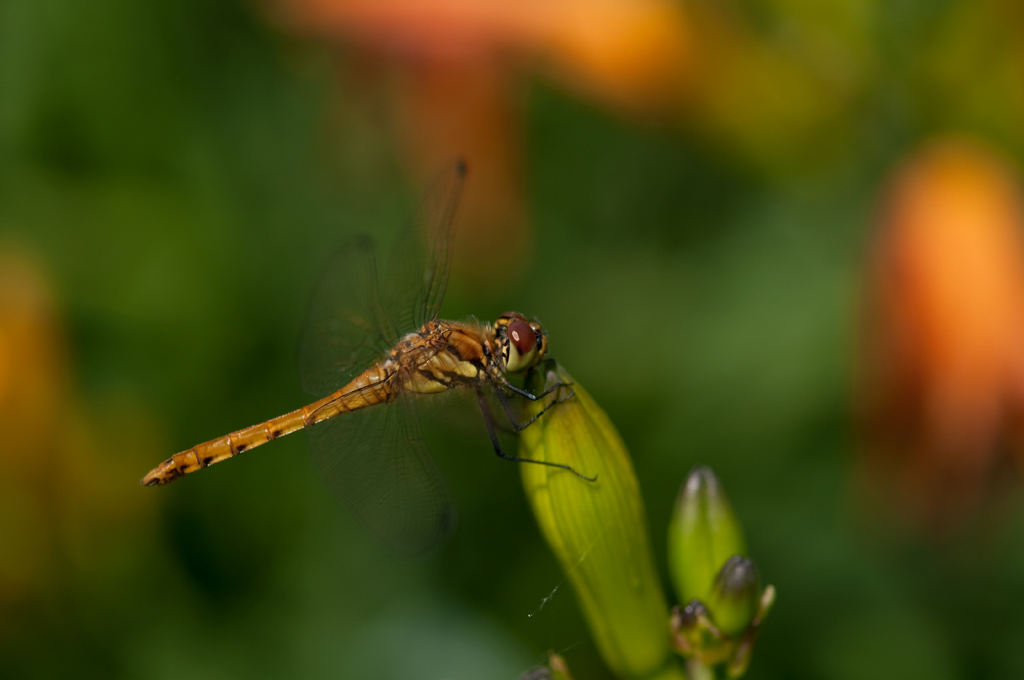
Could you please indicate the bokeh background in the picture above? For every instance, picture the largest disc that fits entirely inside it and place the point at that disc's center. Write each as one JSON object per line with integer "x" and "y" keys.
{"x": 779, "y": 237}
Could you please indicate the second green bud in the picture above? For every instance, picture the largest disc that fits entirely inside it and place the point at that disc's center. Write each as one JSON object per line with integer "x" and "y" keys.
{"x": 703, "y": 535}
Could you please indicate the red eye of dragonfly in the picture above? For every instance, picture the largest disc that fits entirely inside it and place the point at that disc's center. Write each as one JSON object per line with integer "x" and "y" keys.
{"x": 522, "y": 336}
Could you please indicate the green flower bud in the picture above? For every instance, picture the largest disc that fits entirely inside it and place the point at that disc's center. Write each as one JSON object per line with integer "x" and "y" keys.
{"x": 703, "y": 534}
{"x": 735, "y": 595}
{"x": 597, "y": 529}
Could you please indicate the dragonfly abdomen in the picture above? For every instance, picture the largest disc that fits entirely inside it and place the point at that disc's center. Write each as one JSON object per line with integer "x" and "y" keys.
{"x": 368, "y": 389}
{"x": 222, "y": 448}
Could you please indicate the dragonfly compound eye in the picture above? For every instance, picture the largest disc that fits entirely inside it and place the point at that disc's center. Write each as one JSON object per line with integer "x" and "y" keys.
{"x": 521, "y": 346}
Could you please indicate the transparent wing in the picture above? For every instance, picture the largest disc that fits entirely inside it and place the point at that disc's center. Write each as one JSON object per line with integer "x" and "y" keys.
{"x": 375, "y": 460}
{"x": 417, "y": 271}
{"x": 347, "y": 328}
{"x": 377, "y": 463}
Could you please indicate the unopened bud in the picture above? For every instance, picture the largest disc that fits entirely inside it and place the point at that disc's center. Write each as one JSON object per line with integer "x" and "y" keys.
{"x": 703, "y": 534}
{"x": 735, "y": 595}
{"x": 596, "y": 527}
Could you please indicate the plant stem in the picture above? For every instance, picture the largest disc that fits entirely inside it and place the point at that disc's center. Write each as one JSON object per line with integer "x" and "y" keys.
{"x": 698, "y": 671}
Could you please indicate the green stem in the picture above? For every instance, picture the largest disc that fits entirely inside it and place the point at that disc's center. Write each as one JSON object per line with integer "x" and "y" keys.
{"x": 698, "y": 671}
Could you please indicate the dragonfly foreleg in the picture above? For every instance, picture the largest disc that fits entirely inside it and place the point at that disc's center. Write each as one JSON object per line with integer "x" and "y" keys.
{"x": 519, "y": 427}
{"x": 530, "y": 395}
{"x": 489, "y": 421}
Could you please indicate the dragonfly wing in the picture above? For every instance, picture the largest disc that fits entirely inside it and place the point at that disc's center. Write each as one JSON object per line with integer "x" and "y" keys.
{"x": 377, "y": 463}
{"x": 417, "y": 271}
{"x": 347, "y": 328}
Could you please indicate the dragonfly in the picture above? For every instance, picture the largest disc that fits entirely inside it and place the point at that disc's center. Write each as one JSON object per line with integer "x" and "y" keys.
{"x": 372, "y": 349}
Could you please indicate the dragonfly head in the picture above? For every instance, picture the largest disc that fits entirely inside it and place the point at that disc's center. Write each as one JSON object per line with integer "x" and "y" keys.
{"x": 522, "y": 343}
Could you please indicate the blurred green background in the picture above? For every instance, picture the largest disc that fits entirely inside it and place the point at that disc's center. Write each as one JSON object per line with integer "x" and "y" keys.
{"x": 173, "y": 176}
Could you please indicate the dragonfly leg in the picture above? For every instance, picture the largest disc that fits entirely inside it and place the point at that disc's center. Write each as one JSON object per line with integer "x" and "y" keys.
{"x": 519, "y": 427}
{"x": 530, "y": 395}
{"x": 491, "y": 425}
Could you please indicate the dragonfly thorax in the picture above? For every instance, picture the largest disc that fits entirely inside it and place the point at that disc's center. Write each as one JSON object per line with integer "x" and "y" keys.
{"x": 521, "y": 343}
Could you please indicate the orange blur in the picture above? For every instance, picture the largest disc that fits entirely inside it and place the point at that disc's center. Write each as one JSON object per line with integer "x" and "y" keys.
{"x": 943, "y": 376}
{"x": 65, "y": 511}
{"x": 454, "y": 88}
{"x": 631, "y": 52}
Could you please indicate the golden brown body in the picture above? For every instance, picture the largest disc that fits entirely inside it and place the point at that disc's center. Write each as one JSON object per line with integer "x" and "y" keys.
{"x": 439, "y": 356}
{"x": 376, "y": 461}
